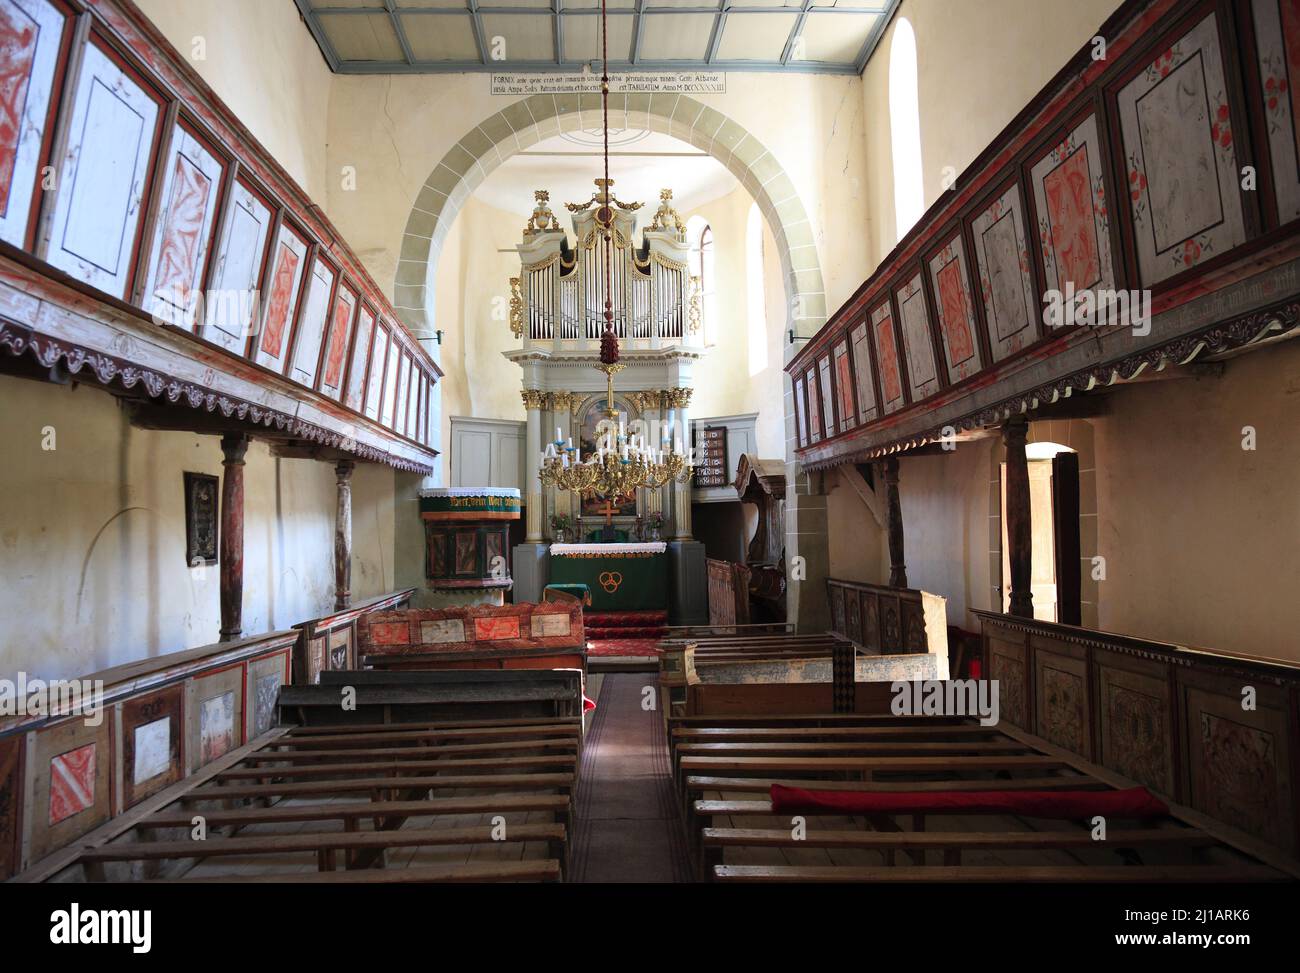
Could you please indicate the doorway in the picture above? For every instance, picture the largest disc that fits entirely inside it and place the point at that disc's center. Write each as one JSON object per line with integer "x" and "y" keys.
{"x": 1054, "y": 579}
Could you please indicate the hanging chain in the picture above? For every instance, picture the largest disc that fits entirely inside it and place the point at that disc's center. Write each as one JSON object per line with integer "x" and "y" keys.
{"x": 611, "y": 339}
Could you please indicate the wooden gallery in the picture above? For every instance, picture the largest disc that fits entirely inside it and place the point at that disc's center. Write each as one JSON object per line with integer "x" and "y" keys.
{"x": 473, "y": 442}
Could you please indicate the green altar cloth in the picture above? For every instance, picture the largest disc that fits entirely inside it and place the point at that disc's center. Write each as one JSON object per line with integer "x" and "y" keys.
{"x": 621, "y": 577}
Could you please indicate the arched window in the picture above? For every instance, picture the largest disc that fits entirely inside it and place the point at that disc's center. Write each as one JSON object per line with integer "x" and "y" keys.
{"x": 905, "y": 129}
{"x": 755, "y": 292}
{"x": 700, "y": 237}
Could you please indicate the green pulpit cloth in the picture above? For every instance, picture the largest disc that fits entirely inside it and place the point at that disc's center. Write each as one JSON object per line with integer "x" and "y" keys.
{"x": 577, "y": 592}
{"x": 621, "y": 577}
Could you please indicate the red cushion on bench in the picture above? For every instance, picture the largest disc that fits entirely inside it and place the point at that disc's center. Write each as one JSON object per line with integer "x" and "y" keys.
{"x": 1133, "y": 802}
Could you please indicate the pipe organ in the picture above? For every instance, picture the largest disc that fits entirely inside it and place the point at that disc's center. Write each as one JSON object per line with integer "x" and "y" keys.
{"x": 559, "y": 297}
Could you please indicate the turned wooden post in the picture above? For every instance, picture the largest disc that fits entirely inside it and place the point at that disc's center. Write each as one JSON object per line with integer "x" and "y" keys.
{"x": 343, "y": 537}
{"x": 844, "y": 667}
{"x": 894, "y": 520}
{"x": 233, "y": 446}
{"x": 1019, "y": 528}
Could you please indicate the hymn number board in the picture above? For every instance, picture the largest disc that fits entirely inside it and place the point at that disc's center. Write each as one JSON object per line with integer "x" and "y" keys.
{"x": 711, "y": 463}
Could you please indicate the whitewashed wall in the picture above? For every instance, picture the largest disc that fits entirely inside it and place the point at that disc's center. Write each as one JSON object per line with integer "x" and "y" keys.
{"x": 92, "y": 536}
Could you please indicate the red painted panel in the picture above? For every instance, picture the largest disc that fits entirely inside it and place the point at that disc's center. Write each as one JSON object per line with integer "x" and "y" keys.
{"x": 72, "y": 783}
{"x": 277, "y": 313}
{"x": 390, "y": 633}
{"x": 338, "y": 341}
{"x": 1074, "y": 227}
{"x": 844, "y": 385}
{"x": 18, "y": 35}
{"x": 492, "y": 628}
{"x": 954, "y": 314}
{"x": 887, "y": 350}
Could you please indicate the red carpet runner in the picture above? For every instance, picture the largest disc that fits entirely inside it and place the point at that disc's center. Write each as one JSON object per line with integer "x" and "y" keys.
{"x": 631, "y": 633}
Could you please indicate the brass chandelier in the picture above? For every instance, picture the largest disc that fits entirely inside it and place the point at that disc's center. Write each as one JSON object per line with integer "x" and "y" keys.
{"x": 623, "y": 462}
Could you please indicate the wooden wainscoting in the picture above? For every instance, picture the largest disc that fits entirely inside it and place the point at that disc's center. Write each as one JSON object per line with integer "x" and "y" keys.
{"x": 330, "y": 643}
{"x": 1215, "y": 731}
{"x": 887, "y": 621}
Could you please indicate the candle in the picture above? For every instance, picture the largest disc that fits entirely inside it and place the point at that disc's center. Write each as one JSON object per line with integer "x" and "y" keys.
{"x": 571, "y": 442}
{"x": 559, "y": 435}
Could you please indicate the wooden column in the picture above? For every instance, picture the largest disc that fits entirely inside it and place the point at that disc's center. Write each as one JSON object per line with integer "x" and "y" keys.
{"x": 894, "y": 521}
{"x": 233, "y": 445}
{"x": 844, "y": 671}
{"x": 343, "y": 536}
{"x": 1019, "y": 527}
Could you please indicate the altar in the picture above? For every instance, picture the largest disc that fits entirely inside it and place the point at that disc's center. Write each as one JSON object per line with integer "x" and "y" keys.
{"x": 620, "y": 577}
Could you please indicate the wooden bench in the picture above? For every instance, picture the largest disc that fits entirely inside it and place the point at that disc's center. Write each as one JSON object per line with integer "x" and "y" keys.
{"x": 421, "y": 697}
{"x": 369, "y": 802}
{"x": 528, "y": 871}
{"x": 724, "y": 768}
{"x": 993, "y": 874}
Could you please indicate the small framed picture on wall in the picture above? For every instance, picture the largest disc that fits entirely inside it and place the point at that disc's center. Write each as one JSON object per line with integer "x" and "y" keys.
{"x": 201, "y": 500}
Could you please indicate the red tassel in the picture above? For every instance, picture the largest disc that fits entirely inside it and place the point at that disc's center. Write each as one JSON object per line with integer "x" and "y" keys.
{"x": 609, "y": 348}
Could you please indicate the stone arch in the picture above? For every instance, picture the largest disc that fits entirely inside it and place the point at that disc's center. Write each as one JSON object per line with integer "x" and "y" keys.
{"x": 528, "y": 121}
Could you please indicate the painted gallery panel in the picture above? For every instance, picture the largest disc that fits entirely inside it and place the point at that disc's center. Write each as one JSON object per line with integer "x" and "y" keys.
{"x": 103, "y": 173}
{"x": 948, "y": 280}
{"x": 1006, "y": 282}
{"x": 119, "y": 169}
{"x": 918, "y": 346}
{"x": 361, "y": 345}
{"x": 190, "y": 193}
{"x": 232, "y": 300}
{"x": 1180, "y": 155}
{"x": 288, "y": 268}
{"x": 32, "y": 32}
{"x": 337, "y": 342}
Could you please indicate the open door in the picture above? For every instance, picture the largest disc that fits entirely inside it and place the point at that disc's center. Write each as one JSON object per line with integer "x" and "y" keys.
{"x": 1054, "y": 567}
{"x": 1065, "y": 521}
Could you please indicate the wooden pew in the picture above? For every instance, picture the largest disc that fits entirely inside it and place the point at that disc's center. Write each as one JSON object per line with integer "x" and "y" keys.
{"x": 724, "y": 768}
{"x": 344, "y": 804}
{"x": 538, "y": 871}
{"x": 421, "y": 696}
{"x": 988, "y": 874}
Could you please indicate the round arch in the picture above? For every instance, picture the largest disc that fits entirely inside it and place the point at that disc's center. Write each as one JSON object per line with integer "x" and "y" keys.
{"x": 532, "y": 119}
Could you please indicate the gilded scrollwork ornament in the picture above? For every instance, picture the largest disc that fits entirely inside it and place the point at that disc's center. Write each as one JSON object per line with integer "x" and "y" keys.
{"x": 516, "y": 309}
{"x": 694, "y": 309}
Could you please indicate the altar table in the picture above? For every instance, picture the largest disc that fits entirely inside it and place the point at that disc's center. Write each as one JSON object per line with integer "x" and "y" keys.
{"x": 621, "y": 577}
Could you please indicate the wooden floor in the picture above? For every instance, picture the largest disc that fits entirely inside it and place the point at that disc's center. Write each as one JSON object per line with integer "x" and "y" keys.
{"x": 628, "y": 826}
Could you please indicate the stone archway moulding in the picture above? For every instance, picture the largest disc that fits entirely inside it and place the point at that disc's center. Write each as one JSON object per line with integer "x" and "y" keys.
{"x": 526, "y": 122}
